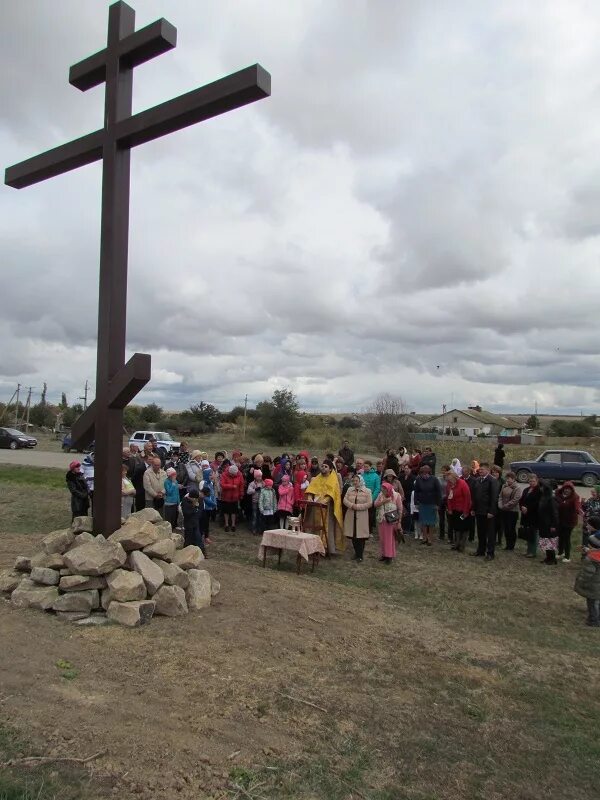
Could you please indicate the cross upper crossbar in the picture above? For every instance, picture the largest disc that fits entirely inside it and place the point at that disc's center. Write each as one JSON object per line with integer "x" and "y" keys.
{"x": 141, "y": 46}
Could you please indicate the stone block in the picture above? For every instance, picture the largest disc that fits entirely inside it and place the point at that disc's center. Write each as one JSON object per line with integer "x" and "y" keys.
{"x": 151, "y": 573}
{"x": 163, "y": 549}
{"x": 178, "y": 539}
{"x": 95, "y": 558}
{"x": 58, "y": 541}
{"x": 146, "y": 515}
{"x": 132, "y": 614}
{"x": 82, "y": 524}
{"x": 126, "y": 586}
{"x": 174, "y": 575}
{"x": 198, "y": 594}
{"x": 23, "y": 564}
{"x": 77, "y": 601}
{"x": 80, "y": 583}
{"x": 136, "y": 536}
{"x": 9, "y": 580}
{"x": 47, "y": 560}
{"x": 170, "y": 601}
{"x": 45, "y": 576}
{"x": 29, "y": 595}
{"x": 82, "y": 538}
{"x": 189, "y": 558}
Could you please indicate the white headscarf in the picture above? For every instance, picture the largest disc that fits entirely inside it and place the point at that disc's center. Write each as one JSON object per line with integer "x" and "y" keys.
{"x": 456, "y": 467}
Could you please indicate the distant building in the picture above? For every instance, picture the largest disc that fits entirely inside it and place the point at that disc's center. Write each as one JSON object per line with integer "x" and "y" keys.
{"x": 474, "y": 421}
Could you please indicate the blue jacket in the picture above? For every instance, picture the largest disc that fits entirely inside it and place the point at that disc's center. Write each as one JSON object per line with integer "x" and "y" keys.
{"x": 210, "y": 502}
{"x": 171, "y": 492}
{"x": 372, "y": 482}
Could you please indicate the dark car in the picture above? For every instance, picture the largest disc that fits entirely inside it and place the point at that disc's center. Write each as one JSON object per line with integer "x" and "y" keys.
{"x": 560, "y": 465}
{"x": 67, "y": 445}
{"x": 12, "y": 438}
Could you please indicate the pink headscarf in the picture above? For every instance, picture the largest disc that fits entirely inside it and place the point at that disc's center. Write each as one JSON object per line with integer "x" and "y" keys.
{"x": 389, "y": 489}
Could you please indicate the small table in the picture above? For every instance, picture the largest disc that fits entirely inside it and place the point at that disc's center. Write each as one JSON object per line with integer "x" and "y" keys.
{"x": 306, "y": 545}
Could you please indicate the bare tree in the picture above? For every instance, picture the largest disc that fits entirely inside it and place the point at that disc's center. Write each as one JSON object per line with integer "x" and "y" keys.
{"x": 389, "y": 424}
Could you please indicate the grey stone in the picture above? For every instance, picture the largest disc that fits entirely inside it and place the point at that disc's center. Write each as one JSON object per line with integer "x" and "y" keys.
{"x": 23, "y": 564}
{"x": 151, "y": 573}
{"x": 48, "y": 560}
{"x": 95, "y": 558}
{"x": 82, "y": 524}
{"x": 178, "y": 539}
{"x": 9, "y": 580}
{"x": 77, "y": 601}
{"x": 45, "y": 576}
{"x": 146, "y": 515}
{"x": 136, "y": 536}
{"x": 79, "y": 583}
{"x": 64, "y": 571}
{"x": 94, "y": 619}
{"x": 163, "y": 549}
{"x": 131, "y": 614}
{"x": 215, "y": 586}
{"x": 188, "y": 558}
{"x": 105, "y": 599}
{"x": 29, "y": 595}
{"x": 170, "y": 601}
{"x": 164, "y": 528}
{"x": 58, "y": 541}
{"x": 126, "y": 586}
{"x": 82, "y": 538}
{"x": 174, "y": 575}
{"x": 72, "y": 616}
{"x": 198, "y": 594}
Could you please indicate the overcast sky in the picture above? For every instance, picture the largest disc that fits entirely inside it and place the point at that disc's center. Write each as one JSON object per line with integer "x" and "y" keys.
{"x": 416, "y": 209}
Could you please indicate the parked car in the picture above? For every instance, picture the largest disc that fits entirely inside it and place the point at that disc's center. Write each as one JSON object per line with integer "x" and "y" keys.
{"x": 67, "y": 445}
{"x": 12, "y": 438}
{"x": 164, "y": 441}
{"x": 560, "y": 465}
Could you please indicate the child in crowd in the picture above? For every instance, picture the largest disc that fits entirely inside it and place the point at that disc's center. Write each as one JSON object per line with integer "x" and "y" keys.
{"x": 587, "y": 583}
{"x": 255, "y": 487}
{"x": 414, "y": 513}
{"x": 190, "y": 508}
{"x": 207, "y": 490}
{"x": 285, "y": 503}
{"x": 171, "y": 497}
{"x": 267, "y": 505}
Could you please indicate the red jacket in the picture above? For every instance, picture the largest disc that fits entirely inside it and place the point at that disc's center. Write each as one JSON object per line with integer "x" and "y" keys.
{"x": 458, "y": 497}
{"x": 232, "y": 487}
{"x": 299, "y": 478}
{"x": 568, "y": 507}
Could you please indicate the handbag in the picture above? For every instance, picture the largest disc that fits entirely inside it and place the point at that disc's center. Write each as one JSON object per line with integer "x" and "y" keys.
{"x": 392, "y": 516}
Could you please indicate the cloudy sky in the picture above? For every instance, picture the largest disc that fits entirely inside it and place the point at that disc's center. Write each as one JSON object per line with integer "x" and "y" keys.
{"x": 416, "y": 209}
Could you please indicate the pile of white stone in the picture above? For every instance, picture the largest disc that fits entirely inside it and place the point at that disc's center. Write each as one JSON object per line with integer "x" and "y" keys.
{"x": 138, "y": 571}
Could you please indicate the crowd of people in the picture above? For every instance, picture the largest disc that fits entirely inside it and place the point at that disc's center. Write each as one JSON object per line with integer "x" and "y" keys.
{"x": 398, "y": 497}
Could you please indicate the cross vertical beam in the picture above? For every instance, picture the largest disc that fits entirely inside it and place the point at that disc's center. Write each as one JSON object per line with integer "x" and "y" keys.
{"x": 114, "y": 247}
{"x": 118, "y": 383}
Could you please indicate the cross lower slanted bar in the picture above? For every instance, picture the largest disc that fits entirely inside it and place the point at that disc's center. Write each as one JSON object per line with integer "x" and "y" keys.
{"x": 117, "y": 383}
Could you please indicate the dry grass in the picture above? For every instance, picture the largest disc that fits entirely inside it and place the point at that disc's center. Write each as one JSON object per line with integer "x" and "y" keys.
{"x": 443, "y": 678}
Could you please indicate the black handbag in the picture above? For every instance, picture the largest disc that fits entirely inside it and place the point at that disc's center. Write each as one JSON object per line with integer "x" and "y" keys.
{"x": 392, "y": 516}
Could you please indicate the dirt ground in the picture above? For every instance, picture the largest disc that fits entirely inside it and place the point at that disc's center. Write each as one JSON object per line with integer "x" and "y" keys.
{"x": 414, "y": 695}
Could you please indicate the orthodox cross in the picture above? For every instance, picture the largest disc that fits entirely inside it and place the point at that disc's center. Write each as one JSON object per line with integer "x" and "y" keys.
{"x": 117, "y": 382}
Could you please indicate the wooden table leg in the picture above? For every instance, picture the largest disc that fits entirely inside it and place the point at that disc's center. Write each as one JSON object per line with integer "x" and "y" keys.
{"x": 280, "y": 549}
{"x": 315, "y": 561}
{"x": 264, "y": 556}
{"x": 298, "y": 564}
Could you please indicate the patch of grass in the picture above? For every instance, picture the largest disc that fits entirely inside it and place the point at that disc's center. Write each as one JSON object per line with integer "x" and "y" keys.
{"x": 44, "y": 782}
{"x": 31, "y": 502}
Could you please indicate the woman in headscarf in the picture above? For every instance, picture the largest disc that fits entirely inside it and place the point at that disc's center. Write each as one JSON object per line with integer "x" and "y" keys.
{"x": 386, "y": 504}
{"x": 325, "y": 488}
{"x": 357, "y": 501}
{"x": 548, "y": 523}
{"x": 456, "y": 467}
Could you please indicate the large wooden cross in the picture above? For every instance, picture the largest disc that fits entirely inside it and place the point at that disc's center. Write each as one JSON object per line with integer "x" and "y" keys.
{"x": 117, "y": 382}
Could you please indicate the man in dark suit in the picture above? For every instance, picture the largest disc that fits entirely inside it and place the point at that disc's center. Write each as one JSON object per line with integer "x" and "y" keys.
{"x": 484, "y": 494}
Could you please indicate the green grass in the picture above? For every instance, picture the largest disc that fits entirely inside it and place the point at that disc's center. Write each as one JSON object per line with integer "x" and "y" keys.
{"x": 50, "y": 781}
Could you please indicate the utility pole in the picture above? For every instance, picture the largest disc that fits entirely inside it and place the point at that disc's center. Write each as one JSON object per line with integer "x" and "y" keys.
{"x": 17, "y": 405}
{"x": 85, "y": 394}
{"x": 27, "y": 407}
{"x": 245, "y": 413}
